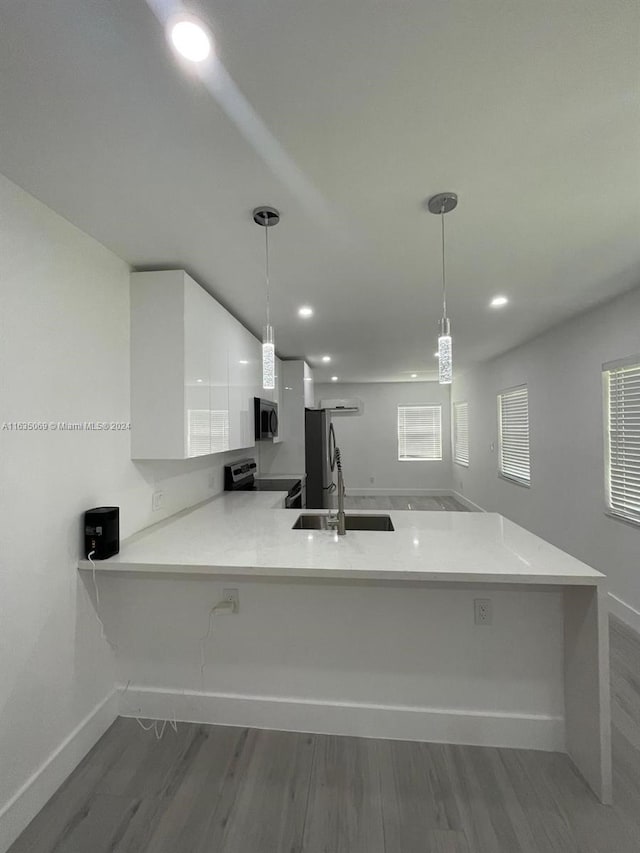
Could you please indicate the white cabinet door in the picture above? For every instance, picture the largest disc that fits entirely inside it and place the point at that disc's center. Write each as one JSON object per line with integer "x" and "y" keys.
{"x": 218, "y": 319}
{"x": 242, "y": 349}
{"x": 157, "y": 365}
{"x": 309, "y": 395}
{"x": 254, "y": 354}
{"x": 197, "y": 370}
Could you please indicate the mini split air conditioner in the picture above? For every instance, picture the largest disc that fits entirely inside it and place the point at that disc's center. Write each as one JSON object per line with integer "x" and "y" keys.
{"x": 351, "y": 406}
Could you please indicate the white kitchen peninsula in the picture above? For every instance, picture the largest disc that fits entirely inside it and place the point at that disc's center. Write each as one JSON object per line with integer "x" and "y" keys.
{"x": 371, "y": 633}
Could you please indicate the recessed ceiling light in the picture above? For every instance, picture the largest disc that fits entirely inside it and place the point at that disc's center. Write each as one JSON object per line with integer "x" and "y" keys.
{"x": 436, "y": 355}
{"x": 305, "y": 311}
{"x": 199, "y": 380}
{"x": 243, "y": 361}
{"x": 326, "y": 358}
{"x": 498, "y": 301}
{"x": 334, "y": 378}
{"x": 191, "y": 39}
{"x": 414, "y": 375}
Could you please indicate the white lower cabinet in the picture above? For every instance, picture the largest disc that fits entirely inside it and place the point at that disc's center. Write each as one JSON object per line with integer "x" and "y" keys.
{"x": 194, "y": 371}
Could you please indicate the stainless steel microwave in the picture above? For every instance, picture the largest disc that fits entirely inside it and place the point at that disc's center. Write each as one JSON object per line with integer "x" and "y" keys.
{"x": 266, "y": 419}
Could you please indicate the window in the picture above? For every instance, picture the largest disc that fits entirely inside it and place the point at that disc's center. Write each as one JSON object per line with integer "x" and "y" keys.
{"x": 419, "y": 433}
{"x": 461, "y": 433}
{"x": 513, "y": 421}
{"x": 622, "y": 437}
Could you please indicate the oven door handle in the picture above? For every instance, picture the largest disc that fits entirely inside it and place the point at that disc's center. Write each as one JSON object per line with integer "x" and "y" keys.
{"x": 294, "y": 497}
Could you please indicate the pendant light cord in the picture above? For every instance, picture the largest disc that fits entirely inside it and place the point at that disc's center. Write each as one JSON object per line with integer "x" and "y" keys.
{"x": 266, "y": 248}
{"x": 444, "y": 287}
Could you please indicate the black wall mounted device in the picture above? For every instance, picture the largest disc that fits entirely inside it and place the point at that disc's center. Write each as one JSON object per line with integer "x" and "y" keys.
{"x": 102, "y": 532}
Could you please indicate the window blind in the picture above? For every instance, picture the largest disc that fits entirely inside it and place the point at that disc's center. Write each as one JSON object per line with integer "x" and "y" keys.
{"x": 513, "y": 418}
{"x": 419, "y": 433}
{"x": 461, "y": 433}
{"x": 622, "y": 421}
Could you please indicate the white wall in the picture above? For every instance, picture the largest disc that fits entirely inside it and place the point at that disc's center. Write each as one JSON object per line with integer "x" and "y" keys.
{"x": 64, "y": 353}
{"x": 369, "y": 443}
{"x": 566, "y": 501}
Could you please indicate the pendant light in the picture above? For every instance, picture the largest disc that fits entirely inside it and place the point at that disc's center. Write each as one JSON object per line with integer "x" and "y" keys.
{"x": 441, "y": 204}
{"x": 267, "y": 217}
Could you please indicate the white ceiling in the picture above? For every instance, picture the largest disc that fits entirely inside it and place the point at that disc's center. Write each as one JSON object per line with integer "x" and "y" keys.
{"x": 528, "y": 110}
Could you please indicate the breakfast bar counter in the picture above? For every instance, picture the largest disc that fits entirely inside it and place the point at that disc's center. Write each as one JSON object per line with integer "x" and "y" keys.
{"x": 416, "y": 581}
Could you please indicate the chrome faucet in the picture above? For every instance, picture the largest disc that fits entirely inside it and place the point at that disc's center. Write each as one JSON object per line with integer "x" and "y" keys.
{"x": 339, "y": 520}
{"x": 342, "y": 524}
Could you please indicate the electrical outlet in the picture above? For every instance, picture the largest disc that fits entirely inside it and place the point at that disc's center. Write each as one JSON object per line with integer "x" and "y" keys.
{"x": 372, "y": 480}
{"x": 232, "y": 595}
{"x": 482, "y": 611}
{"x": 157, "y": 500}
{"x": 492, "y": 447}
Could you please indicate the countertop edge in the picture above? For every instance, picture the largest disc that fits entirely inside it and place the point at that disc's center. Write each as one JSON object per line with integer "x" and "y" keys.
{"x": 319, "y": 573}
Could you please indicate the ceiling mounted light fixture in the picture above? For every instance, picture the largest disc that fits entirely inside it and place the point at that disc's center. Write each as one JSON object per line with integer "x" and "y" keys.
{"x": 334, "y": 378}
{"x": 441, "y": 204}
{"x": 267, "y": 217}
{"x": 326, "y": 358}
{"x": 190, "y": 38}
{"x": 498, "y": 301}
{"x": 305, "y": 311}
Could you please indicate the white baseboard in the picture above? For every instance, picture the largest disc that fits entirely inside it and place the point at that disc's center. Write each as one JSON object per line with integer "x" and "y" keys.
{"x": 624, "y": 612}
{"x": 466, "y": 502}
{"x": 398, "y": 722}
{"x": 24, "y": 805}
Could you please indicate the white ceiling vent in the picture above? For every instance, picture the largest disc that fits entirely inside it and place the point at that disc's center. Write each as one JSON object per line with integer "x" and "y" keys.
{"x": 351, "y": 406}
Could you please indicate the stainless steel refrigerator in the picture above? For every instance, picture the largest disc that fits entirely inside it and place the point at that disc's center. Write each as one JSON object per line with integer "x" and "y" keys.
{"x": 319, "y": 477}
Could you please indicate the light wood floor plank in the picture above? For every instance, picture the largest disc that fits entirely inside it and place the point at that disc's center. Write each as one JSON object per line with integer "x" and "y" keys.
{"x": 444, "y": 841}
{"x": 474, "y": 815}
{"x": 190, "y": 809}
{"x": 270, "y": 809}
{"x": 344, "y": 813}
{"x": 411, "y": 795}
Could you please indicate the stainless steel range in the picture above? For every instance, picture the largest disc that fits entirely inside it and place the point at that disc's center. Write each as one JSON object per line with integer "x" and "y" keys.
{"x": 241, "y": 477}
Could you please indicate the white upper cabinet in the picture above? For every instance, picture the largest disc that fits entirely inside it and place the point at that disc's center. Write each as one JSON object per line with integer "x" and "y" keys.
{"x": 309, "y": 394}
{"x": 197, "y": 370}
{"x": 194, "y": 371}
{"x": 219, "y": 376}
{"x": 244, "y": 378}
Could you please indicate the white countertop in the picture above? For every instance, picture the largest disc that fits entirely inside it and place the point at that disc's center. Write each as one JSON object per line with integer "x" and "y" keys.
{"x": 243, "y": 534}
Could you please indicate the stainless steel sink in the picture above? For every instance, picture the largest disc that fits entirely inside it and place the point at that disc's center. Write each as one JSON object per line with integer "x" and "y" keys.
{"x": 353, "y": 522}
